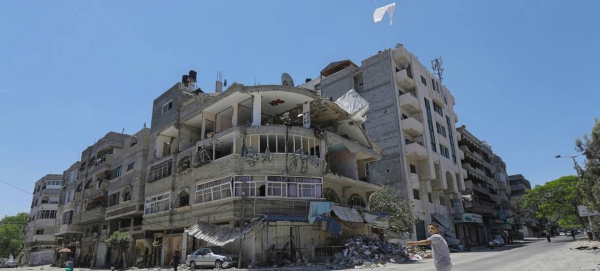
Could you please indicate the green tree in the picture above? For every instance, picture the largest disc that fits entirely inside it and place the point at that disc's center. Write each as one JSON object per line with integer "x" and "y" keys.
{"x": 388, "y": 201}
{"x": 557, "y": 199}
{"x": 517, "y": 205}
{"x": 11, "y": 234}
{"x": 589, "y": 174}
{"x": 121, "y": 241}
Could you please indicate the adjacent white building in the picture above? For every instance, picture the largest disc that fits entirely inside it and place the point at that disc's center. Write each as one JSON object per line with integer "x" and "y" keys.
{"x": 39, "y": 232}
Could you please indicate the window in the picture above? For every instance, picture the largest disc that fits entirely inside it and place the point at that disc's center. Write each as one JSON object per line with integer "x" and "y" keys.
{"x": 318, "y": 87}
{"x": 330, "y": 195}
{"x": 67, "y": 216}
{"x": 160, "y": 171}
{"x": 53, "y": 182}
{"x": 113, "y": 199}
{"x": 430, "y": 124}
{"x": 356, "y": 200}
{"x": 73, "y": 176}
{"x": 157, "y": 204}
{"x": 430, "y": 198}
{"x": 440, "y": 129}
{"x": 131, "y": 166}
{"x": 446, "y": 100}
{"x": 213, "y": 190}
{"x": 433, "y": 84}
{"x": 423, "y": 80}
{"x": 39, "y": 232}
{"x": 442, "y": 201}
{"x": 438, "y": 109}
{"x": 416, "y": 194}
{"x": 413, "y": 169}
{"x": 116, "y": 173}
{"x": 47, "y": 214}
{"x": 168, "y": 106}
{"x": 444, "y": 151}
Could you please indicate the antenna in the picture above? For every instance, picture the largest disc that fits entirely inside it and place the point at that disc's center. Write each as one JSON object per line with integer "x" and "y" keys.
{"x": 436, "y": 65}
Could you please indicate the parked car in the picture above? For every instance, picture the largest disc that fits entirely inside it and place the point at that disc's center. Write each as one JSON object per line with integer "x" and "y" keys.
{"x": 498, "y": 241}
{"x": 216, "y": 257}
{"x": 11, "y": 264}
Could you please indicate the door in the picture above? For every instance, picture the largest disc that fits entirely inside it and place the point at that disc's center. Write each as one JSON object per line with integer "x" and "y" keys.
{"x": 420, "y": 228}
{"x": 101, "y": 255}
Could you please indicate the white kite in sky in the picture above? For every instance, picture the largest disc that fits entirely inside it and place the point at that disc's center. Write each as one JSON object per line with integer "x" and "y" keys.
{"x": 379, "y": 12}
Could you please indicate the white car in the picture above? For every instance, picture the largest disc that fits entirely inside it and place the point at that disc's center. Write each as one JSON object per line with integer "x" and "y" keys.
{"x": 498, "y": 241}
{"x": 216, "y": 257}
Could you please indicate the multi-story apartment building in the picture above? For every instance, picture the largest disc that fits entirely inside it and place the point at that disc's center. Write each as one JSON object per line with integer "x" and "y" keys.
{"x": 126, "y": 188}
{"x": 67, "y": 233}
{"x": 97, "y": 166}
{"x": 527, "y": 218}
{"x": 39, "y": 233}
{"x": 411, "y": 116}
{"x": 249, "y": 155}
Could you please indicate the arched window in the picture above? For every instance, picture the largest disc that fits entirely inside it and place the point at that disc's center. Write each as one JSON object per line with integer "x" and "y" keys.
{"x": 330, "y": 195}
{"x": 356, "y": 200}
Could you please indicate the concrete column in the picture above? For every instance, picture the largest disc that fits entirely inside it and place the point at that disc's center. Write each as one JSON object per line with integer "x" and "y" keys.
{"x": 256, "y": 109}
{"x": 234, "y": 118}
{"x": 183, "y": 253}
{"x": 306, "y": 115}
{"x": 425, "y": 197}
{"x": 203, "y": 131}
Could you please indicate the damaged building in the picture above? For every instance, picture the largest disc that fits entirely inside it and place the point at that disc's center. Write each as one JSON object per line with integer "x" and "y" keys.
{"x": 411, "y": 116}
{"x": 275, "y": 171}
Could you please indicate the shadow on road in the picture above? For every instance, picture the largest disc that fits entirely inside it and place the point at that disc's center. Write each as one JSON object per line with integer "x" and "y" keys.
{"x": 516, "y": 244}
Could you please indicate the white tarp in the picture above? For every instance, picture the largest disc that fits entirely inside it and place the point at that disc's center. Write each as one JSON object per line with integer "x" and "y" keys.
{"x": 354, "y": 104}
{"x": 379, "y": 12}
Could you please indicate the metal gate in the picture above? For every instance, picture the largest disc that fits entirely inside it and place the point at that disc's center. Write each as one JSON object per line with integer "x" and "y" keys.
{"x": 420, "y": 228}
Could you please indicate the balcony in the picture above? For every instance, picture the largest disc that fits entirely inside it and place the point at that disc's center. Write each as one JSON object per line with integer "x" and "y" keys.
{"x": 415, "y": 150}
{"x": 405, "y": 80}
{"x": 412, "y": 126}
{"x": 517, "y": 187}
{"x": 409, "y": 102}
{"x": 93, "y": 215}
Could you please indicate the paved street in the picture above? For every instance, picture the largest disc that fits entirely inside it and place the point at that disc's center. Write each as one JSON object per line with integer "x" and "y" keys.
{"x": 532, "y": 254}
{"x": 529, "y": 255}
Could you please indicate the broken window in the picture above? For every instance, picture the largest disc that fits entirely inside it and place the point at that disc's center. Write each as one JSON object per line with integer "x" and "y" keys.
{"x": 113, "y": 199}
{"x": 160, "y": 171}
{"x": 183, "y": 199}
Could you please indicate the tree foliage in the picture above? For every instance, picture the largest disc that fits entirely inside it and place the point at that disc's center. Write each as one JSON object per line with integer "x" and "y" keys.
{"x": 589, "y": 174}
{"x": 557, "y": 199}
{"x": 11, "y": 234}
{"x": 388, "y": 201}
{"x": 518, "y": 205}
{"x": 121, "y": 241}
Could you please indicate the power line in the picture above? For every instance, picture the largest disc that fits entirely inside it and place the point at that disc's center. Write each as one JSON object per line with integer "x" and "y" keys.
{"x": 28, "y": 193}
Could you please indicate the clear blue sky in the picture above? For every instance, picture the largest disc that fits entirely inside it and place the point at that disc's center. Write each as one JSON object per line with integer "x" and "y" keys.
{"x": 524, "y": 73}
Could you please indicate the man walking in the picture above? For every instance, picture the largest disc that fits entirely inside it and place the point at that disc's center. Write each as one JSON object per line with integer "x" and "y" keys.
{"x": 441, "y": 253}
{"x": 175, "y": 260}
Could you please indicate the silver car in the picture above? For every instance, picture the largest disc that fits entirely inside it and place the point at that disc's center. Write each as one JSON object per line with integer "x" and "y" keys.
{"x": 216, "y": 257}
{"x": 11, "y": 264}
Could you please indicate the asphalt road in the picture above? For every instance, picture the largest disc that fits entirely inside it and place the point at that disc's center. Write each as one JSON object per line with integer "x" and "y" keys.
{"x": 532, "y": 254}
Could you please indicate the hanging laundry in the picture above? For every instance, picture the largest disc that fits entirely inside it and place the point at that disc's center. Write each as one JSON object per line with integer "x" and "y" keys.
{"x": 379, "y": 12}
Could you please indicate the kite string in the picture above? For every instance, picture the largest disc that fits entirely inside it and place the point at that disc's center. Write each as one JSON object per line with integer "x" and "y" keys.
{"x": 387, "y": 38}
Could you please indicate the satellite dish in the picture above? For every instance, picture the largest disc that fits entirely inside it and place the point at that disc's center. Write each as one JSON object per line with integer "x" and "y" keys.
{"x": 286, "y": 80}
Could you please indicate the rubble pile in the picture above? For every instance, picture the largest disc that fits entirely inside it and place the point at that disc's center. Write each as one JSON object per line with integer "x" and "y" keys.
{"x": 371, "y": 252}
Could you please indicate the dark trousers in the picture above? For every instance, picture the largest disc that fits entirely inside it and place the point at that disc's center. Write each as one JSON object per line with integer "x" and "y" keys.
{"x": 174, "y": 267}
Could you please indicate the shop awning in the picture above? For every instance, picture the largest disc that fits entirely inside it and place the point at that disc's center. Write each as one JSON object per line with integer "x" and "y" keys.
{"x": 377, "y": 220}
{"x": 347, "y": 214}
{"x": 219, "y": 235}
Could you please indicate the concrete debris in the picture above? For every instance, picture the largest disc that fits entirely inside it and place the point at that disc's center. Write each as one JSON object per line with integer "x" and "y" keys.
{"x": 370, "y": 252}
